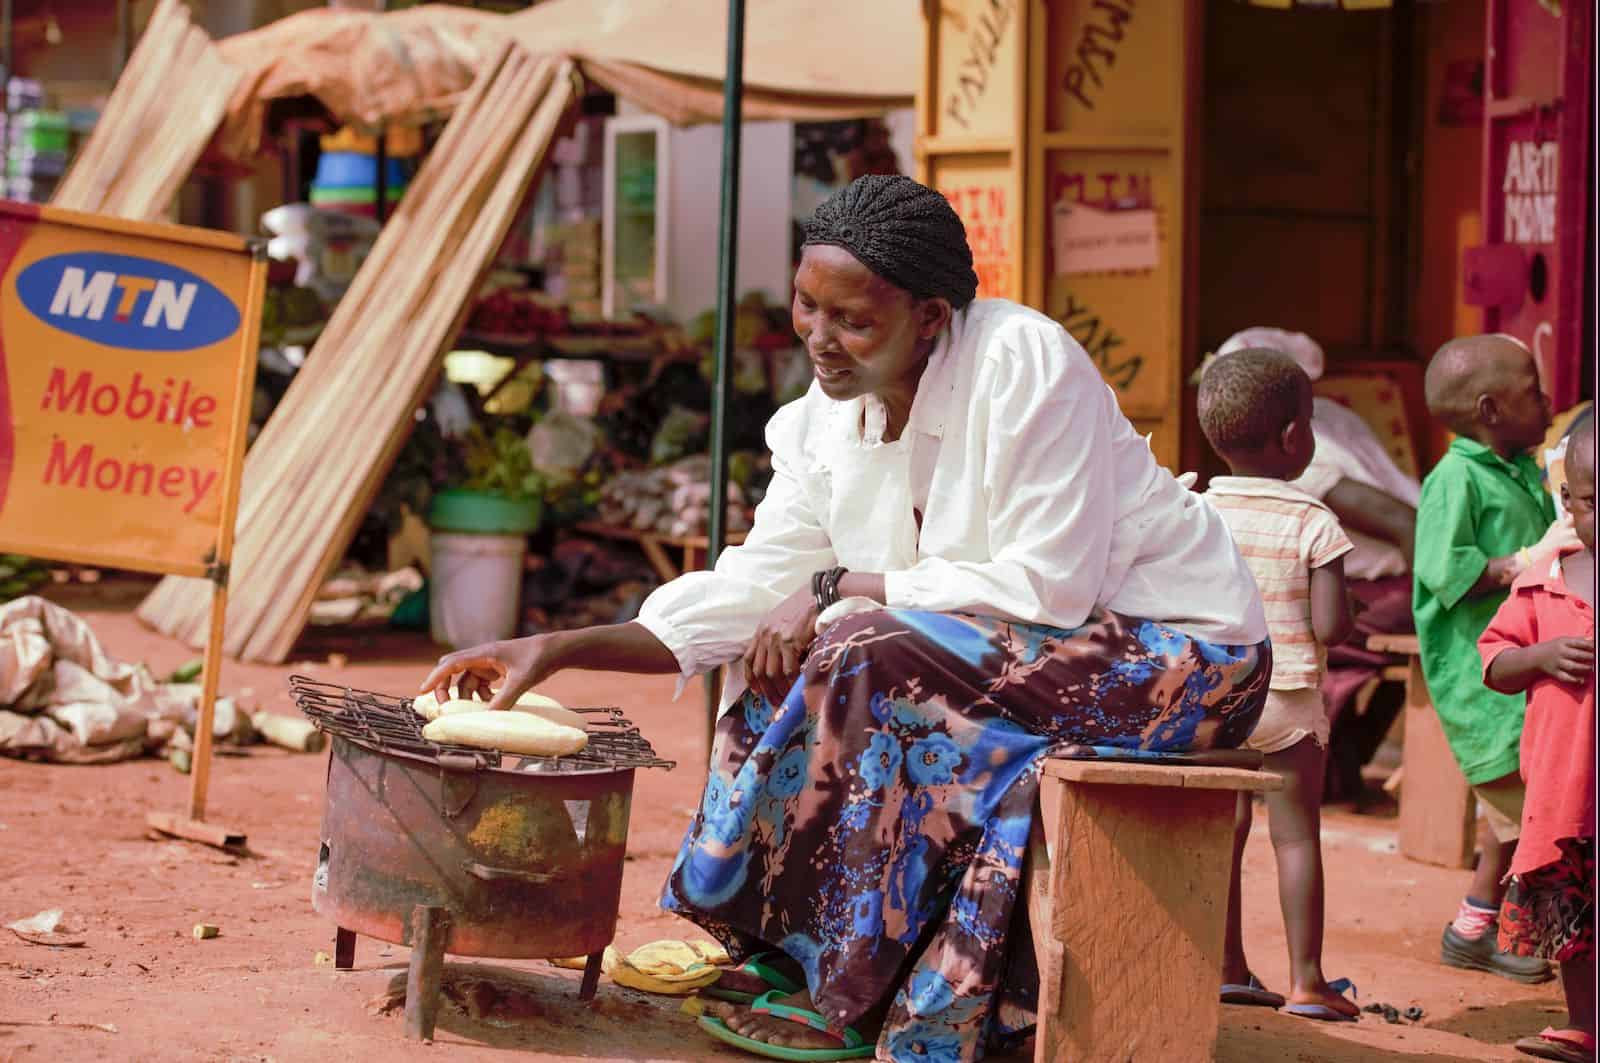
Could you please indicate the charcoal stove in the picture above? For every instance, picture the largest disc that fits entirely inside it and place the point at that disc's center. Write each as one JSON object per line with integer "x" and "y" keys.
{"x": 450, "y": 849}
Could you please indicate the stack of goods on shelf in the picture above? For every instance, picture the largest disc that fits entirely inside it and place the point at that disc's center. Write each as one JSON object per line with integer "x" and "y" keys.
{"x": 575, "y": 265}
{"x": 347, "y": 170}
{"x": 671, "y": 500}
{"x": 508, "y": 315}
{"x": 39, "y": 142}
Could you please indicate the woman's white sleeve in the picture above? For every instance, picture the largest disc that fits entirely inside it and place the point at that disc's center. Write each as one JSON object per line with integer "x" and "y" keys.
{"x": 1050, "y": 496}
{"x": 707, "y": 618}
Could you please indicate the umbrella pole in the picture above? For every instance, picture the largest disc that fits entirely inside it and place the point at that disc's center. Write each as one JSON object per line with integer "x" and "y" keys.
{"x": 727, "y": 302}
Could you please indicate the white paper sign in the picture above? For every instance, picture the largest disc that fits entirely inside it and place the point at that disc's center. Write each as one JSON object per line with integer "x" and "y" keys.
{"x": 1100, "y": 241}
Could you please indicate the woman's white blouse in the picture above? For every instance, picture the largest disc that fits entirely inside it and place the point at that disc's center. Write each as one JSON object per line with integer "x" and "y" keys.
{"x": 1042, "y": 502}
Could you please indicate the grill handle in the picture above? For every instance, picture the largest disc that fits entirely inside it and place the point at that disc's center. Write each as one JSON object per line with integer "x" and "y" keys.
{"x": 495, "y": 874}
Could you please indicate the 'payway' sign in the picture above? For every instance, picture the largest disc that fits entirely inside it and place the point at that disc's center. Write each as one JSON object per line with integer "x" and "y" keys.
{"x": 127, "y": 361}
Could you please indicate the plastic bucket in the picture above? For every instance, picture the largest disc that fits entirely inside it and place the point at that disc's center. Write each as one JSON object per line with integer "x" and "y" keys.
{"x": 483, "y": 513}
{"x": 474, "y": 587}
{"x": 343, "y": 169}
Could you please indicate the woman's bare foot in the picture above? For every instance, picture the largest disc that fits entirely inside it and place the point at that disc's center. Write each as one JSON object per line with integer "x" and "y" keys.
{"x": 773, "y": 1030}
{"x": 1319, "y": 992}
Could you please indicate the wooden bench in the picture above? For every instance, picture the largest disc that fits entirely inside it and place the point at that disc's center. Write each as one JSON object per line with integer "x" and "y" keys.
{"x": 1127, "y": 892}
{"x": 1438, "y": 810}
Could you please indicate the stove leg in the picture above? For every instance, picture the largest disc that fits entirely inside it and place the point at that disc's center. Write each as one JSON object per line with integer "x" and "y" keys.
{"x": 428, "y": 928}
{"x": 344, "y": 949}
{"x": 591, "y": 976}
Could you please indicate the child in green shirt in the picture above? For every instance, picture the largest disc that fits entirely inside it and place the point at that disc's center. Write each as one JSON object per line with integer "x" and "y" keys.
{"x": 1483, "y": 507}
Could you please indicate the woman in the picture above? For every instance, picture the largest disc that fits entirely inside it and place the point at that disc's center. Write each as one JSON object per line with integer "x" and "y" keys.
{"x": 962, "y": 463}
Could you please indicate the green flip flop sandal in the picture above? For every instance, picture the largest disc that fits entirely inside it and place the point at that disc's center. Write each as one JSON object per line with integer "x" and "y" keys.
{"x": 758, "y": 966}
{"x": 852, "y": 1046}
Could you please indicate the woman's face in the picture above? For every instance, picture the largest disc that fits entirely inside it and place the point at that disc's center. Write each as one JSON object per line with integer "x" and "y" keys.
{"x": 863, "y": 334}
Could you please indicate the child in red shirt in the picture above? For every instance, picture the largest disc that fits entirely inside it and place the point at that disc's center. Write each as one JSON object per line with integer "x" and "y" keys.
{"x": 1542, "y": 642}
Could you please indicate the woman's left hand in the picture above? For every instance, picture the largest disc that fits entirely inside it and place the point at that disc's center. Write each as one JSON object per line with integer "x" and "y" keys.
{"x": 778, "y": 649}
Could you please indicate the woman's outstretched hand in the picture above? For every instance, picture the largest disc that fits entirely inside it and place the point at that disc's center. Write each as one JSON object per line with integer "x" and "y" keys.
{"x": 772, "y": 663}
{"x": 514, "y": 665}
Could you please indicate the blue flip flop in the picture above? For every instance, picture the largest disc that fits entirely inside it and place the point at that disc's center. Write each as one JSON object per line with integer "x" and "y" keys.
{"x": 1251, "y": 993}
{"x": 852, "y": 1044}
{"x": 1322, "y": 1012}
{"x": 758, "y": 966}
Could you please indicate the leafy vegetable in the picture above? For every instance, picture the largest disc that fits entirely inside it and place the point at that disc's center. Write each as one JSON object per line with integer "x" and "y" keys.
{"x": 500, "y": 463}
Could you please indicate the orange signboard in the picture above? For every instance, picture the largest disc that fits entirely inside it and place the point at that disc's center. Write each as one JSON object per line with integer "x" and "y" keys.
{"x": 127, "y": 360}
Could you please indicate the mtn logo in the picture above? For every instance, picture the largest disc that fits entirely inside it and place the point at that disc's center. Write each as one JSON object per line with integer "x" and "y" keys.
{"x": 126, "y": 301}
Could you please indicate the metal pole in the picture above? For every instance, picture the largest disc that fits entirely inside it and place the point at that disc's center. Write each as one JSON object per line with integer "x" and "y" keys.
{"x": 381, "y": 185}
{"x": 727, "y": 301}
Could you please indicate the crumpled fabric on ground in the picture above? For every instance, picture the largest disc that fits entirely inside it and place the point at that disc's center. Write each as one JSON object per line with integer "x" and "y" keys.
{"x": 64, "y": 699}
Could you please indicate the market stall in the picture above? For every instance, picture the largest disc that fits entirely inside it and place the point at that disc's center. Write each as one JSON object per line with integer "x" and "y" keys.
{"x": 429, "y": 283}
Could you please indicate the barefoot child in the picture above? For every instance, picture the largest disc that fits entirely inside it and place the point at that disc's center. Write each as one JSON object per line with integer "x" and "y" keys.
{"x": 1255, "y": 409}
{"x": 1542, "y": 642}
{"x": 1483, "y": 505}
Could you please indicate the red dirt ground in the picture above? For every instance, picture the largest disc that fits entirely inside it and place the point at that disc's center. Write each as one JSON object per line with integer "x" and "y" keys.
{"x": 74, "y": 838}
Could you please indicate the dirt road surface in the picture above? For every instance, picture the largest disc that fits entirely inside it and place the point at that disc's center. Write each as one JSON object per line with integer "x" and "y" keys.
{"x": 141, "y": 987}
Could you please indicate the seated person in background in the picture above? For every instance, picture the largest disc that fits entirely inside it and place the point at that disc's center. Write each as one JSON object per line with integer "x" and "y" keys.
{"x": 1376, "y": 503}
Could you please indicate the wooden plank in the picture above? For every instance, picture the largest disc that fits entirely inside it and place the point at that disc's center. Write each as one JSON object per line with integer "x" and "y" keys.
{"x": 1235, "y": 779}
{"x": 200, "y": 776}
{"x": 1393, "y": 644}
{"x": 1438, "y": 810}
{"x": 487, "y": 211}
{"x": 195, "y": 831}
{"x": 931, "y": 145}
{"x": 1048, "y": 953}
{"x": 298, "y": 512}
{"x": 1159, "y": 775}
{"x": 176, "y": 606}
{"x": 1142, "y": 984}
{"x": 430, "y": 926}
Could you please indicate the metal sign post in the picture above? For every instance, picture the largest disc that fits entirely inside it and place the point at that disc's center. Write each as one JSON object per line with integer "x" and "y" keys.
{"x": 727, "y": 302}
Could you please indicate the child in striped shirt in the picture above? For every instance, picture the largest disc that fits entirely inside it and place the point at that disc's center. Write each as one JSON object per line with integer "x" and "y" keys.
{"x": 1255, "y": 410}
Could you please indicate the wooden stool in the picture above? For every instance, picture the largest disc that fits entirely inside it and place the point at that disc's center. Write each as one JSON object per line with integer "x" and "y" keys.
{"x": 1127, "y": 895}
{"x": 1438, "y": 810}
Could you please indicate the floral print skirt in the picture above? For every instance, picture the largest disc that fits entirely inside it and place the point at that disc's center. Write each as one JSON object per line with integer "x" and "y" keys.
{"x": 873, "y": 825}
{"x": 1549, "y": 912}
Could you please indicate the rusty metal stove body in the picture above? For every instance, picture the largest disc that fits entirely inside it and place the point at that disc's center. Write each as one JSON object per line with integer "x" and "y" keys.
{"x": 448, "y": 849}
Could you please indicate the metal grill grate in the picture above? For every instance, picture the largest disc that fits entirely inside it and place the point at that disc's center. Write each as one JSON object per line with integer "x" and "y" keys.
{"x": 389, "y": 724}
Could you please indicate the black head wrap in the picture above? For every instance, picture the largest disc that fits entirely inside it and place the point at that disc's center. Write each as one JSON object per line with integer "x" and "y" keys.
{"x": 903, "y": 231}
